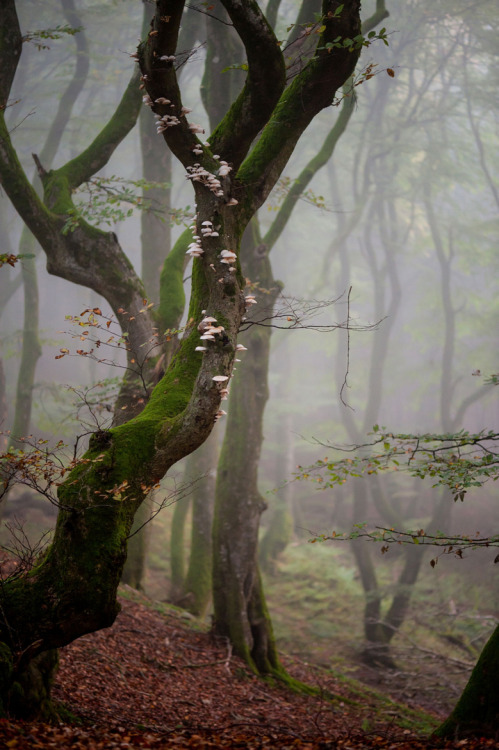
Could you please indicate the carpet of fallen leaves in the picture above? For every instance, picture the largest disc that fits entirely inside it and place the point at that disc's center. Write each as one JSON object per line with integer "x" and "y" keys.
{"x": 154, "y": 681}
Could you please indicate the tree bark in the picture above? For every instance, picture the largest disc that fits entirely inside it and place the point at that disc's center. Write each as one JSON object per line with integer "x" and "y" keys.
{"x": 138, "y": 544}
{"x": 239, "y": 604}
{"x": 279, "y": 532}
{"x": 177, "y": 549}
{"x": 31, "y": 348}
{"x": 477, "y": 711}
{"x": 197, "y": 585}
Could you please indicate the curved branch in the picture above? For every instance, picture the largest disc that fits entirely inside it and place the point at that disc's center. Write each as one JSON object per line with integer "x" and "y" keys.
{"x": 310, "y": 92}
{"x": 264, "y": 83}
{"x": 82, "y": 167}
{"x": 327, "y": 149}
{"x": 86, "y": 256}
{"x": 379, "y": 15}
{"x": 157, "y": 57}
{"x": 24, "y": 197}
{"x": 11, "y": 45}
{"x": 73, "y": 89}
{"x": 306, "y": 175}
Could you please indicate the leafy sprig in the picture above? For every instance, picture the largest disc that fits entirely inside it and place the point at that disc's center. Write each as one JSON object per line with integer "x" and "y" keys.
{"x": 458, "y": 461}
{"x": 10, "y": 259}
{"x": 109, "y": 200}
{"x": 357, "y": 42}
{"x": 448, "y": 545}
{"x": 39, "y": 36}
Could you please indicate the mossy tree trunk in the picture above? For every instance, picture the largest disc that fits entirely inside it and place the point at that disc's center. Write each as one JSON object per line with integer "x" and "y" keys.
{"x": 279, "y": 531}
{"x": 201, "y": 470}
{"x": 239, "y": 604}
{"x": 72, "y": 590}
{"x": 477, "y": 711}
{"x": 240, "y": 613}
{"x": 177, "y": 549}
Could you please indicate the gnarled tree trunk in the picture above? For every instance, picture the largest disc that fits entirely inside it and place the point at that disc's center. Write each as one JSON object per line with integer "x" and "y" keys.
{"x": 72, "y": 590}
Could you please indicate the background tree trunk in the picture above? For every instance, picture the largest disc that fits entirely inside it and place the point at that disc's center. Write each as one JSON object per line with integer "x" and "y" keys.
{"x": 239, "y": 604}
{"x": 197, "y": 585}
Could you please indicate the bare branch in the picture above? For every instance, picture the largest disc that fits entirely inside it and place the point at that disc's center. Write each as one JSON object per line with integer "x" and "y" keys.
{"x": 345, "y": 383}
{"x": 298, "y": 312}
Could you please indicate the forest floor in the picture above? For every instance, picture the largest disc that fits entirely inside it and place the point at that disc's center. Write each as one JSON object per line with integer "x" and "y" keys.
{"x": 157, "y": 679}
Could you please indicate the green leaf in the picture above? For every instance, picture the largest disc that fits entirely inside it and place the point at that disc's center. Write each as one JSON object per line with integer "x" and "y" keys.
{"x": 243, "y": 66}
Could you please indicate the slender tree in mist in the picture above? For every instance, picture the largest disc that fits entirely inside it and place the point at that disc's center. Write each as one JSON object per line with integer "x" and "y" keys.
{"x": 446, "y": 200}
{"x": 391, "y": 211}
{"x": 31, "y": 347}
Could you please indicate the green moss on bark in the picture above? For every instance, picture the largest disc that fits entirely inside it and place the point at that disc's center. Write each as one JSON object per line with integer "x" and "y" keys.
{"x": 276, "y": 538}
{"x": 137, "y": 545}
{"x": 477, "y": 711}
{"x": 6, "y": 670}
{"x": 171, "y": 290}
{"x": 29, "y": 695}
{"x": 177, "y": 548}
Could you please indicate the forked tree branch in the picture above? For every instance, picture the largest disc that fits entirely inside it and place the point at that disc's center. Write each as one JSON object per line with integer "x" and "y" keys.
{"x": 264, "y": 83}
{"x": 312, "y": 90}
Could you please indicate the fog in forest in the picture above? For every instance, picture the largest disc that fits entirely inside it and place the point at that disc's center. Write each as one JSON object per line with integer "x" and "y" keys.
{"x": 387, "y": 316}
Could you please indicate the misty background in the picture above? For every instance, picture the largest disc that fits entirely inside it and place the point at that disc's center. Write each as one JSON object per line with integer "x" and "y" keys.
{"x": 405, "y": 216}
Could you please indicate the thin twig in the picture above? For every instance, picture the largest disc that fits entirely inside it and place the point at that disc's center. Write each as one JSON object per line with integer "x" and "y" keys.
{"x": 345, "y": 381}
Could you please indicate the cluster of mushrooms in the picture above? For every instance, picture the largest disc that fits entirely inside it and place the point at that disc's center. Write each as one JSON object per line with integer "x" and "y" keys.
{"x": 210, "y": 331}
{"x": 208, "y": 327}
{"x": 197, "y": 173}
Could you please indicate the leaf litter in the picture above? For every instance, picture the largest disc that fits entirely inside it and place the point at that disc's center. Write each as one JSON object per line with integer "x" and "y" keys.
{"x": 156, "y": 680}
